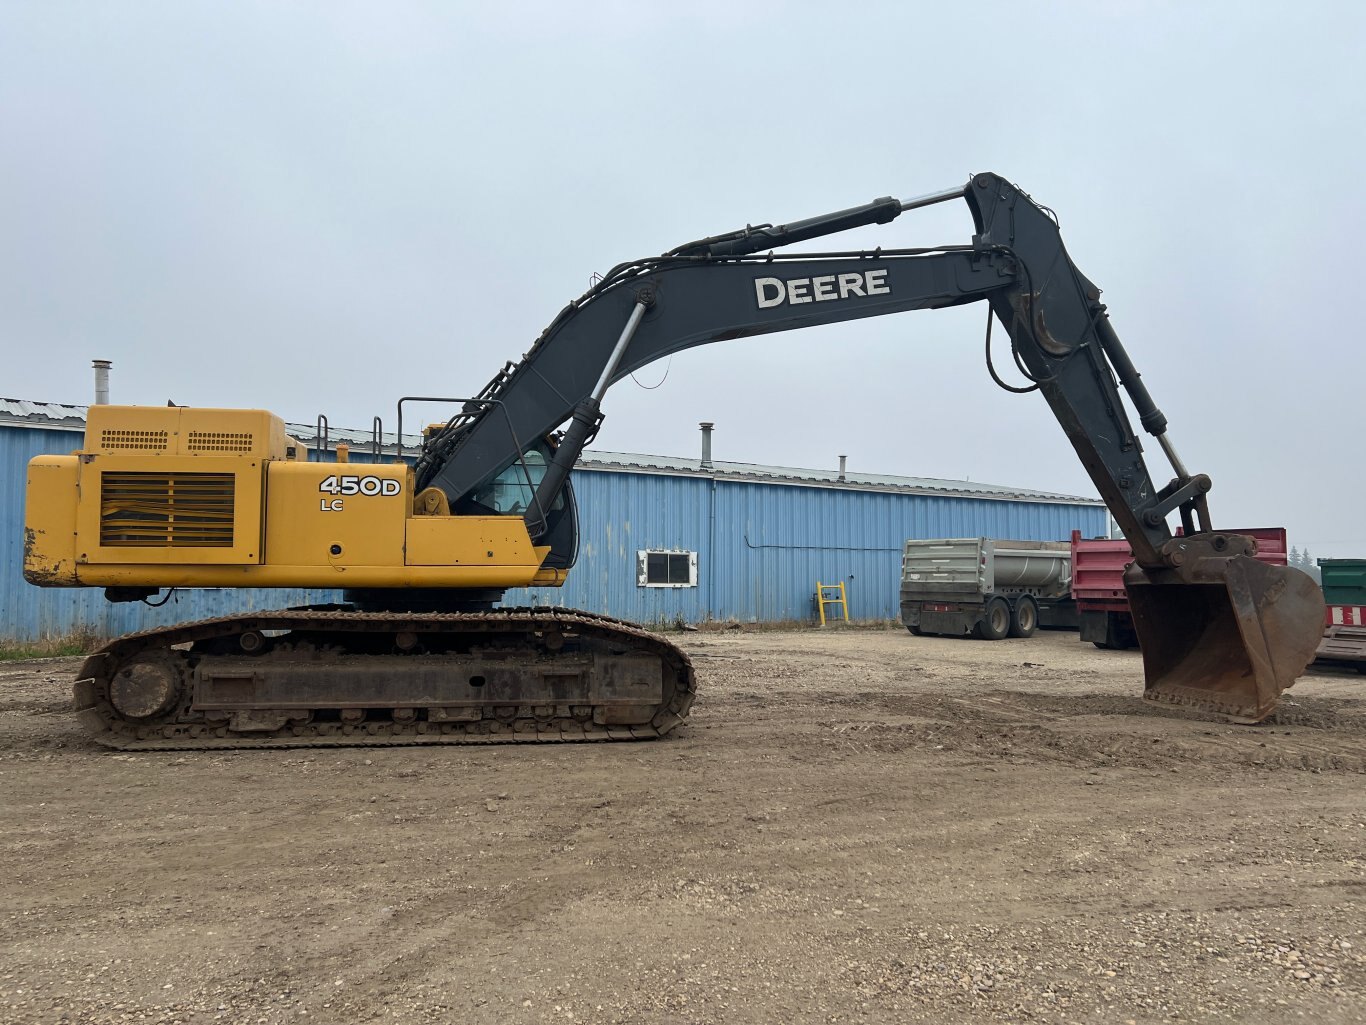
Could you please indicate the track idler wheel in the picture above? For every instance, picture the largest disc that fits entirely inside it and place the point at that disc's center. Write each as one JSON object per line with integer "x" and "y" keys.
{"x": 146, "y": 687}
{"x": 1221, "y": 631}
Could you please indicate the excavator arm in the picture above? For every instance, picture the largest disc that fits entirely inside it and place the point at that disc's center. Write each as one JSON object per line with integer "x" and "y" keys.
{"x": 1218, "y": 630}
{"x": 720, "y": 289}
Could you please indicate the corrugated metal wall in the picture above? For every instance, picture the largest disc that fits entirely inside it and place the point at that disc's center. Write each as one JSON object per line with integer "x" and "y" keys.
{"x": 29, "y": 613}
{"x": 761, "y": 548}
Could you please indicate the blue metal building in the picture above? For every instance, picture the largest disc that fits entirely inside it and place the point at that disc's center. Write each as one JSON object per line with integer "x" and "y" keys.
{"x": 759, "y": 538}
{"x": 663, "y": 539}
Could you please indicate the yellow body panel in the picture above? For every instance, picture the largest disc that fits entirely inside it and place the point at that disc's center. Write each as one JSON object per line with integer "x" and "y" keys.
{"x": 305, "y": 523}
{"x": 176, "y": 497}
{"x": 50, "y": 503}
{"x": 184, "y": 431}
{"x": 96, "y": 510}
{"x": 470, "y": 541}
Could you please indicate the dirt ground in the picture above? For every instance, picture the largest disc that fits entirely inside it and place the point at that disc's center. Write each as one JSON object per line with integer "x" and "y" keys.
{"x": 855, "y": 826}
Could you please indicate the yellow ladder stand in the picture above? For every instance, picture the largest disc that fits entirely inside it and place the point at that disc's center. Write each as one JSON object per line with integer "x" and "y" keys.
{"x": 822, "y": 601}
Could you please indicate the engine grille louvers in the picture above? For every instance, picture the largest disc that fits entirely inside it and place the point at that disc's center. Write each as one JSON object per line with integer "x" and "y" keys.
{"x": 177, "y": 510}
{"x": 219, "y": 441}
{"x": 146, "y": 441}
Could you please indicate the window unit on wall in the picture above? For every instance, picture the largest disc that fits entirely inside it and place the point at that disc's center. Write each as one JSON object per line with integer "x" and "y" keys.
{"x": 666, "y": 568}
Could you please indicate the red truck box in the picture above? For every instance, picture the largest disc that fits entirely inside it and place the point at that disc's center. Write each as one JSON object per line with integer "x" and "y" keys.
{"x": 1098, "y": 582}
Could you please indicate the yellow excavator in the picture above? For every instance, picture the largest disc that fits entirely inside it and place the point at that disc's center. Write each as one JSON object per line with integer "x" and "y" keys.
{"x": 420, "y": 651}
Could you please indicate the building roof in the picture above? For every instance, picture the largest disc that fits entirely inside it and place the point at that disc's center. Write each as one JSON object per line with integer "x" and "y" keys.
{"x": 852, "y": 479}
{"x": 42, "y": 414}
{"x": 62, "y": 416}
{"x": 59, "y": 416}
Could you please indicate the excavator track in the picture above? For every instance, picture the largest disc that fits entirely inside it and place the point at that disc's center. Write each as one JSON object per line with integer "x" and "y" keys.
{"x": 322, "y": 677}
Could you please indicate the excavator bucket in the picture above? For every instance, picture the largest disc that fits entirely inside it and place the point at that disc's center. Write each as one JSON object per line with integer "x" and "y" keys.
{"x": 1224, "y": 634}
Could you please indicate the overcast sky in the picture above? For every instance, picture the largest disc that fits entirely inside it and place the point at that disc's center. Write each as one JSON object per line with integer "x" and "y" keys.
{"x": 321, "y": 207}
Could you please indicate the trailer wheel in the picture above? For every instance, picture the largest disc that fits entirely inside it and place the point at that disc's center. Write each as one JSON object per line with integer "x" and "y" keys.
{"x": 915, "y": 630}
{"x": 995, "y": 621}
{"x": 1024, "y": 617}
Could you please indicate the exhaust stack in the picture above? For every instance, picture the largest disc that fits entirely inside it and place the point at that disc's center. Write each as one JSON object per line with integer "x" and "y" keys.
{"x": 706, "y": 444}
{"x": 101, "y": 381}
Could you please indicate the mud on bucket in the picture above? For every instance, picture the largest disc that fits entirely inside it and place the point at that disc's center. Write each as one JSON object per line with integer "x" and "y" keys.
{"x": 1224, "y": 634}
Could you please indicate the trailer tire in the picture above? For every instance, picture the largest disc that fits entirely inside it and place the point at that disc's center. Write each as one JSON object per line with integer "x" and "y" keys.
{"x": 995, "y": 621}
{"x": 915, "y": 630}
{"x": 1024, "y": 617}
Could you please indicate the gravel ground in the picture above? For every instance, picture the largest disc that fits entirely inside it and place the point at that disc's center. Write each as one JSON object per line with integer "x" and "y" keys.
{"x": 855, "y": 826}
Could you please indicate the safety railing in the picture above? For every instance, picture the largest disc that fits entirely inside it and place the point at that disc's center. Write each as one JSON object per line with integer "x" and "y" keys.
{"x": 831, "y": 594}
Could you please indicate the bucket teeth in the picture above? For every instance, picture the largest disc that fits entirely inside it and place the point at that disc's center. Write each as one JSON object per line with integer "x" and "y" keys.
{"x": 1224, "y": 634}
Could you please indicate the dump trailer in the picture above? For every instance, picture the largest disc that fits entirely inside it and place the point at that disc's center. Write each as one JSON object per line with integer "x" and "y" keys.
{"x": 986, "y": 587}
{"x": 1344, "y": 632}
{"x": 1098, "y": 564}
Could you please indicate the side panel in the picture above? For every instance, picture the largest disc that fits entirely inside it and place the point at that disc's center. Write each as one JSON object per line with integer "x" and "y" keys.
{"x": 981, "y": 566}
{"x": 1098, "y": 569}
{"x": 471, "y": 541}
{"x": 1098, "y": 564}
{"x": 955, "y": 569}
{"x": 1344, "y": 581}
{"x": 1042, "y": 568}
{"x": 50, "y": 522}
{"x": 323, "y": 525}
{"x": 151, "y": 510}
{"x": 184, "y": 431}
{"x": 314, "y": 508}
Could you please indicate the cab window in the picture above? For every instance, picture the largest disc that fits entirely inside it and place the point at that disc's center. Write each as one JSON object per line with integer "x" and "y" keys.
{"x": 509, "y": 494}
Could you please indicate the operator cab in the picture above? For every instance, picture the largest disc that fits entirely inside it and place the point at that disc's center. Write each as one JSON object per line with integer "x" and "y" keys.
{"x": 512, "y": 492}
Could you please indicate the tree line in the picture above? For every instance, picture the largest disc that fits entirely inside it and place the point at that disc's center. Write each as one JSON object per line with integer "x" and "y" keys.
{"x": 1303, "y": 560}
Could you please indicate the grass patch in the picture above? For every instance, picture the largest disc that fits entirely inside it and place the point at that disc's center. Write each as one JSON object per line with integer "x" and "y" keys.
{"x": 50, "y": 647}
